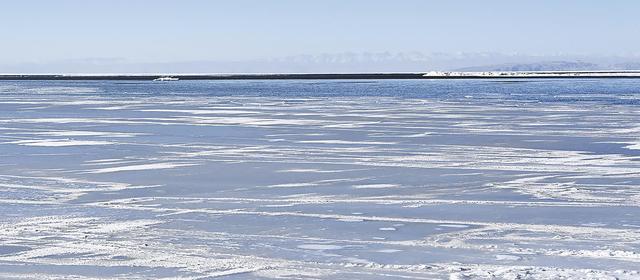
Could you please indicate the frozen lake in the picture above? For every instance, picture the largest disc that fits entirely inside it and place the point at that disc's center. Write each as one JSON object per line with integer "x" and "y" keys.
{"x": 444, "y": 179}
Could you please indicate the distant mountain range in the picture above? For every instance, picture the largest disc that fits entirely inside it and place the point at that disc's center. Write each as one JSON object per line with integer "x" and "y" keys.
{"x": 347, "y": 62}
{"x": 552, "y": 66}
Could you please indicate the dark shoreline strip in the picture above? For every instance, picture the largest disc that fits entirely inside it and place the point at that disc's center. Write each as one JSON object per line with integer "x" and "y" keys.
{"x": 354, "y": 76}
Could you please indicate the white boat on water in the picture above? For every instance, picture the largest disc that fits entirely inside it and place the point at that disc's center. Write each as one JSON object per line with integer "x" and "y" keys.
{"x": 165, "y": 79}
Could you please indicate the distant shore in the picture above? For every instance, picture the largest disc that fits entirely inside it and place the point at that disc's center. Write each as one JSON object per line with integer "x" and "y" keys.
{"x": 334, "y": 76}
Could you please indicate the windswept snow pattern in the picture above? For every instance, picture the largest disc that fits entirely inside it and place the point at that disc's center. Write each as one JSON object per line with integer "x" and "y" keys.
{"x": 320, "y": 179}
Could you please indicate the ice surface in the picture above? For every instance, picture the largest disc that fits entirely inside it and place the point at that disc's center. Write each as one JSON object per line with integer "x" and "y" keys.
{"x": 320, "y": 179}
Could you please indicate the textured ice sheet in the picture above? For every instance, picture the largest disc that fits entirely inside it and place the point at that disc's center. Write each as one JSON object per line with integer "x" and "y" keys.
{"x": 192, "y": 180}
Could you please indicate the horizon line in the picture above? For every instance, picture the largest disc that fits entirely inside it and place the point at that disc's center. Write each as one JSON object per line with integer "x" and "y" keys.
{"x": 555, "y": 74}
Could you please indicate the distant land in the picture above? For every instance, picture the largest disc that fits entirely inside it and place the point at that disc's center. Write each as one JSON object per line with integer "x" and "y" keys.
{"x": 553, "y": 66}
{"x": 167, "y": 77}
{"x": 339, "y": 66}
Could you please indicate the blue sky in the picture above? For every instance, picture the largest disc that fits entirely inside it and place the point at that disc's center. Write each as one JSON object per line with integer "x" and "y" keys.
{"x": 192, "y": 30}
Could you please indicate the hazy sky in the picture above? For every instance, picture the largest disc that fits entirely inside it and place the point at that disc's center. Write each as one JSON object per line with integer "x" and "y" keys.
{"x": 192, "y": 30}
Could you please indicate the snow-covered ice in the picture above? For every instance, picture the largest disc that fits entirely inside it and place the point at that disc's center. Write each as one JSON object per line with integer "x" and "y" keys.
{"x": 320, "y": 179}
